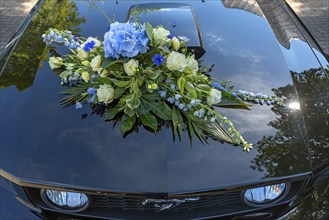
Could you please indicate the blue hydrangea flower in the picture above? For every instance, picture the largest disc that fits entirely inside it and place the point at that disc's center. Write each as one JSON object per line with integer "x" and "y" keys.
{"x": 157, "y": 59}
{"x": 89, "y": 45}
{"x": 125, "y": 39}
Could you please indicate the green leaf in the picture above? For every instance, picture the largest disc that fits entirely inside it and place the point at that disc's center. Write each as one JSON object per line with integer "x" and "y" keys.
{"x": 112, "y": 112}
{"x": 149, "y": 32}
{"x": 161, "y": 109}
{"x": 229, "y": 101}
{"x": 106, "y": 63}
{"x": 177, "y": 120}
{"x": 150, "y": 121}
{"x": 190, "y": 130}
{"x": 204, "y": 87}
{"x": 190, "y": 88}
{"x": 127, "y": 123}
{"x": 121, "y": 83}
{"x": 110, "y": 62}
{"x": 181, "y": 84}
{"x": 135, "y": 88}
{"x": 118, "y": 92}
{"x": 104, "y": 80}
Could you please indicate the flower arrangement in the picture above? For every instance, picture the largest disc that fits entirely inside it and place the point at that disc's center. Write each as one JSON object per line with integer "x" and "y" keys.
{"x": 142, "y": 75}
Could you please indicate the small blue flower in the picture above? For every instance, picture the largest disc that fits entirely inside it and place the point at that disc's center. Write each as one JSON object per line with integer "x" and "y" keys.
{"x": 157, "y": 59}
{"x": 181, "y": 106}
{"x": 168, "y": 81}
{"x": 196, "y": 113}
{"x": 89, "y": 45}
{"x": 171, "y": 100}
{"x": 163, "y": 94}
{"x": 67, "y": 43}
{"x": 177, "y": 96}
{"x": 172, "y": 86}
{"x": 193, "y": 102}
{"x": 78, "y": 105}
{"x": 177, "y": 102}
{"x": 170, "y": 36}
{"x": 91, "y": 91}
{"x": 218, "y": 86}
{"x": 173, "y": 24}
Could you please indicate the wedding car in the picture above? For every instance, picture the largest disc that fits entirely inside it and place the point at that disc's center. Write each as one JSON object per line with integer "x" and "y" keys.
{"x": 247, "y": 63}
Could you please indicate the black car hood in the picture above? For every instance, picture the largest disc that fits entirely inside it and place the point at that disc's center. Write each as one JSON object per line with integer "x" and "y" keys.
{"x": 42, "y": 142}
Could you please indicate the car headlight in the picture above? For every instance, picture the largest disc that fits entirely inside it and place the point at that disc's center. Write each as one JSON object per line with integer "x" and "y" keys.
{"x": 265, "y": 194}
{"x": 68, "y": 201}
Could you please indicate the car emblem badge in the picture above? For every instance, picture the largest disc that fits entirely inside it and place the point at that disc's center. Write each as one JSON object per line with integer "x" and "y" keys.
{"x": 163, "y": 204}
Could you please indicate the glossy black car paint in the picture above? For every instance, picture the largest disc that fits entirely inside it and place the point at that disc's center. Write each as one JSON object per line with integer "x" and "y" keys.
{"x": 46, "y": 144}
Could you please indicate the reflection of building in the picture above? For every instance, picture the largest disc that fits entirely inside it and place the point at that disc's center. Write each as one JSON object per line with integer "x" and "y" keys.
{"x": 274, "y": 11}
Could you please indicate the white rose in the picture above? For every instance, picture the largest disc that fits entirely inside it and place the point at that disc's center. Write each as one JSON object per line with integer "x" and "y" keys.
{"x": 105, "y": 93}
{"x": 192, "y": 64}
{"x": 55, "y": 62}
{"x": 85, "y": 76}
{"x": 214, "y": 97}
{"x": 82, "y": 54}
{"x": 97, "y": 42}
{"x": 160, "y": 36}
{"x": 96, "y": 63}
{"x": 131, "y": 67}
{"x": 176, "y": 61}
{"x": 175, "y": 43}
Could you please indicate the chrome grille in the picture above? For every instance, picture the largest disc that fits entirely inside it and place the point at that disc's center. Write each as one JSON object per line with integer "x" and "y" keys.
{"x": 225, "y": 201}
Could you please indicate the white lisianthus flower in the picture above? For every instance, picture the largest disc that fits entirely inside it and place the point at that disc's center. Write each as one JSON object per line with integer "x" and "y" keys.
{"x": 176, "y": 61}
{"x": 97, "y": 42}
{"x": 214, "y": 97}
{"x": 105, "y": 93}
{"x": 175, "y": 43}
{"x": 192, "y": 64}
{"x": 55, "y": 62}
{"x": 85, "y": 76}
{"x": 96, "y": 63}
{"x": 70, "y": 66}
{"x": 131, "y": 67}
{"x": 82, "y": 54}
{"x": 160, "y": 36}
